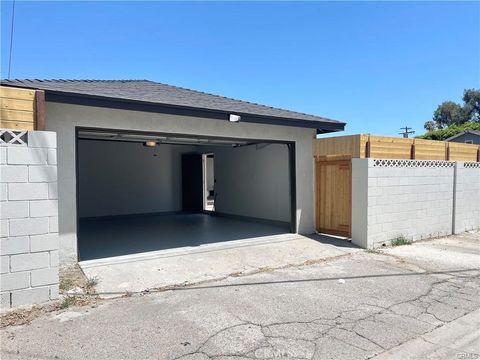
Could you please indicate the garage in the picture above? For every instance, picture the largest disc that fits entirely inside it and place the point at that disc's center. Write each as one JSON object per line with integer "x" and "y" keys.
{"x": 145, "y": 167}
{"x": 140, "y": 192}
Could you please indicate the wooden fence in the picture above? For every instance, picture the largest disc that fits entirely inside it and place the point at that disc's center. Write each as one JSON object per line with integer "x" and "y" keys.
{"x": 21, "y": 109}
{"x": 382, "y": 147}
{"x": 333, "y": 194}
{"x": 333, "y": 171}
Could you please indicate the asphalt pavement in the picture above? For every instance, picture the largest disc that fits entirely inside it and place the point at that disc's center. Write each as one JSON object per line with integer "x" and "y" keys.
{"x": 421, "y": 300}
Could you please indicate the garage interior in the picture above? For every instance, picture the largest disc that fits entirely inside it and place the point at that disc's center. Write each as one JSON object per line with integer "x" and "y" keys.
{"x": 139, "y": 192}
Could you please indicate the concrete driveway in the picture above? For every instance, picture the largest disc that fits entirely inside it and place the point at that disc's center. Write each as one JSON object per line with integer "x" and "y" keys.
{"x": 209, "y": 262}
{"x": 391, "y": 305}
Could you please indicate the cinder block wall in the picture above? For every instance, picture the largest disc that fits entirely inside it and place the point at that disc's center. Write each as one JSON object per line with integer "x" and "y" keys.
{"x": 29, "y": 219}
{"x": 415, "y": 199}
{"x": 467, "y": 200}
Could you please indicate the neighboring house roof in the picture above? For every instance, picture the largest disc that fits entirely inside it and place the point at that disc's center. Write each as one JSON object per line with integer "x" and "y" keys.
{"x": 474, "y": 132}
{"x": 151, "y": 92}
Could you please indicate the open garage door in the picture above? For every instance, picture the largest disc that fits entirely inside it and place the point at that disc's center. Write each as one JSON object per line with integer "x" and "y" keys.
{"x": 139, "y": 192}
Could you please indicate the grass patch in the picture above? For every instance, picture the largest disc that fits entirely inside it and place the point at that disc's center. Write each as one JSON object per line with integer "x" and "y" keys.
{"x": 372, "y": 251}
{"x": 66, "y": 284}
{"x": 401, "y": 240}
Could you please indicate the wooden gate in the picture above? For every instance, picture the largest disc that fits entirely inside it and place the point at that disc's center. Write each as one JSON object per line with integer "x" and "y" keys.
{"x": 333, "y": 194}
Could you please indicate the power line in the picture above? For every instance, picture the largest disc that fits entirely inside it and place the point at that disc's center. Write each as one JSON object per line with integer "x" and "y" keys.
{"x": 11, "y": 40}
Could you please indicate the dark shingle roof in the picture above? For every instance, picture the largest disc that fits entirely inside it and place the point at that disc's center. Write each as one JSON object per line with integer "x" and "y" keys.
{"x": 474, "y": 132}
{"x": 158, "y": 93}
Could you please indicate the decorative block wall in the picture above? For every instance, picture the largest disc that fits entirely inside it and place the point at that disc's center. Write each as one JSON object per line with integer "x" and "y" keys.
{"x": 467, "y": 201}
{"x": 415, "y": 199}
{"x": 28, "y": 218}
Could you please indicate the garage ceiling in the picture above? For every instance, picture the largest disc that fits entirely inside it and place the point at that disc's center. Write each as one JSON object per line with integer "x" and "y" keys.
{"x": 160, "y": 139}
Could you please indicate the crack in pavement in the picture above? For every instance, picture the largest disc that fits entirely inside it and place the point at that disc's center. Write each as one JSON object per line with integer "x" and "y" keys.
{"x": 270, "y": 341}
{"x": 361, "y": 319}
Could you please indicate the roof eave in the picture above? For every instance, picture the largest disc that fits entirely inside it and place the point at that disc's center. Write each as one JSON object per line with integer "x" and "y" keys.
{"x": 456, "y": 135}
{"x": 124, "y": 104}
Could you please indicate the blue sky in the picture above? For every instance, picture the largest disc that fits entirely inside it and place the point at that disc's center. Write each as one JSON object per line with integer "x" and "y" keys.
{"x": 376, "y": 65}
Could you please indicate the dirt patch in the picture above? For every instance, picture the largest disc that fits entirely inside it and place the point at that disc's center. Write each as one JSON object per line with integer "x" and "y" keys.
{"x": 75, "y": 290}
{"x": 74, "y": 281}
{"x": 71, "y": 277}
{"x": 27, "y": 315}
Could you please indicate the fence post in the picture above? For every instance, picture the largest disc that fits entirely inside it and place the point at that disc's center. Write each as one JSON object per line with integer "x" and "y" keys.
{"x": 454, "y": 197}
{"x": 367, "y": 147}
{"x": 39, "y": 106}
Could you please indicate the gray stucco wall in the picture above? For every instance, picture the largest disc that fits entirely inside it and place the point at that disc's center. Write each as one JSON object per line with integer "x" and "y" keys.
{"x": 63, "y": 118}
{"x": 253, "y": 181}
{"x": 117, "y": 178}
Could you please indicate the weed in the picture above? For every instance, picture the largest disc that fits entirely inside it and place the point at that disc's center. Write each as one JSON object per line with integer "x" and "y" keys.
{"x": 67, "y": 302}
{"x": 401, "y": 240}
{"x": 91, "y": 283}
{"x": 372, "y": 251}
{"x": 66, "y": 284}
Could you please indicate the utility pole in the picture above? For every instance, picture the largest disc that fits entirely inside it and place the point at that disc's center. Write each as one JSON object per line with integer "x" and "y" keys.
{"x": 406, "y": 131}
{"x": 11, "y": 40}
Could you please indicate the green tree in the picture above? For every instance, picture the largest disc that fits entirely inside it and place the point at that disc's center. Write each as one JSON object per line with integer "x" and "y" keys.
{"x": 449, "y": 113}
{"x": 429, "y": 125}
{"x": 443, "y": 134}
{"x": 471, "y": 98}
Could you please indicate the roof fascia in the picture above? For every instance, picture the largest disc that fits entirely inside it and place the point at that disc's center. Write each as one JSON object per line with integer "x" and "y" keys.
{"x": 115, "y": 103}
{"x": 456, "y": 135}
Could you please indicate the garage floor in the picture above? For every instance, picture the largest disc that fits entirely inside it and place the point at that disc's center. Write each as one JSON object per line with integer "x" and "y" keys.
{"x": 101, "y": 238}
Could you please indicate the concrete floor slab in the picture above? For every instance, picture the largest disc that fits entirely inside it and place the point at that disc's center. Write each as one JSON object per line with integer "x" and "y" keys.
{"x": 125, "y": 235}
{"x": 177, "y": 267}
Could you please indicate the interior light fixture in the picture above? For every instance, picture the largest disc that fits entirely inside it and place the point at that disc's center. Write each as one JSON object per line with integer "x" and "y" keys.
{"x": 150, "y": 143}
{"x": 234, "y": 118}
